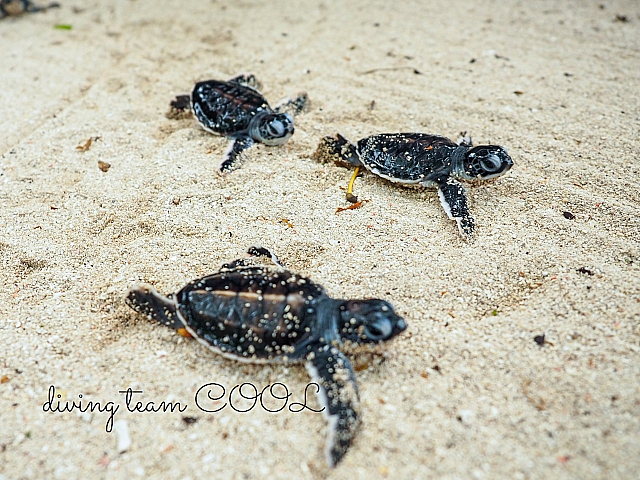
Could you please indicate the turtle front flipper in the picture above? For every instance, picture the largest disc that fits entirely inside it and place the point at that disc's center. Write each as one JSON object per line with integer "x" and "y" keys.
{"x": 293, "y": 106}
{"x": 236, "y": 147}
{"x": 146, "y": 300}
{"x": 465, "y": 140}
{"x": 454, "y": 202}
{"x": 31, "y": 7}
{"x": 339, "y": 395}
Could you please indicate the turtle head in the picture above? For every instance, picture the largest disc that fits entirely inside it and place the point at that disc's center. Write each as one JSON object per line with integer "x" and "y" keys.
{"x": 272, "y": 128}
{"x": 369, "y": 321}
{"x": 485, "y": 162}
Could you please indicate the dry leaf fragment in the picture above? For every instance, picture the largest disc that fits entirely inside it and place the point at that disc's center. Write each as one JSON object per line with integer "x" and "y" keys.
{"x": 84, "y": 147}
{"x": 104, "y": 166}
{"x": 351, "y": 207}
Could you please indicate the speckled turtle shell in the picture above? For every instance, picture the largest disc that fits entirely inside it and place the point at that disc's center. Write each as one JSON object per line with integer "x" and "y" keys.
{"x": 409, "y": 157}
{"x": 253, "y": 312}
{"x": 226, "y": 107}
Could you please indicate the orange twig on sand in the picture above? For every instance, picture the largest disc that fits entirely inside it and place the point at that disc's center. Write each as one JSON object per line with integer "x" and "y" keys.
{"x": 351, "y": 207}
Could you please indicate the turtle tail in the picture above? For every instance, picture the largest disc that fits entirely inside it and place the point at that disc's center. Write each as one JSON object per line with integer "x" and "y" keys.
{"x": 338, "y": 150}
{"x": 146, "y": 300}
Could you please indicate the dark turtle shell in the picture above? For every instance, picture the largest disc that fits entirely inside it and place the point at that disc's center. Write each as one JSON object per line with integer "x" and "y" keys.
{"x": 13, "y": 8}
{"x": 409, "y": 157}
{"x": 255, "y": 312}
{"x": 226, "y": 107}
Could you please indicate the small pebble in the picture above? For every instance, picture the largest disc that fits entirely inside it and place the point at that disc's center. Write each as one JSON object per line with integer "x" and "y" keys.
{"x": 121, "y": 430}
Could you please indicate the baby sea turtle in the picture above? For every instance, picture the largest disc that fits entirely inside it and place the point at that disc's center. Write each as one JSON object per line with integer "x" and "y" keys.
{"x": 13, "y": 8}
{"x": 258, "y": 314}
{"x": 419, "y": 159}
{"x": 237, "y": 109}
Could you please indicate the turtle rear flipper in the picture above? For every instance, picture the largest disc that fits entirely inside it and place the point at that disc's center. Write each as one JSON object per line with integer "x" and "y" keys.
{"x": 180, "y": 107}
{"x": 338, "y": 150}
{"x": 255, "y": 252}
{"x": 231, "y": 156}
{"x": 339, "y": 395}
{"x": 146, "y": 300}
{"x": 248, "y": 80}
{"x": 454, "y": 202}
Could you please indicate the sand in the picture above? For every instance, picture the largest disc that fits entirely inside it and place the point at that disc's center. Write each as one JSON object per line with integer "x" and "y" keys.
{"x": 466, "y": 392}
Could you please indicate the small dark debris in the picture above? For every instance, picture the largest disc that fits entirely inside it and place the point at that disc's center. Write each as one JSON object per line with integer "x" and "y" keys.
{"x": 585, "y": 270}
{"x": 285, "y": 34}
{"x": 567, "y": 74}
{"x": 436, "y": 368}
{"x": 372, "y": 105}
{"x": 377, "y": 24}
{"x": 189, "y": 420}
{"x": 614, "y": 398}
{"x": 352, "y": 198}
{"x": 569, "y": 215}
{"x": 373, "y": 70}
{"x": 473, "y": 60}
{"x": 622, "y": 19}
{"x": 539, "y": 339}
{"x": 104, "y": 166}
{"x": 518, "y": 92}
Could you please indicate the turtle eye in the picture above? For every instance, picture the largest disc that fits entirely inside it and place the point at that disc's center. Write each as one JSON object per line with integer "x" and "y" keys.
{"x": 491, "y": 163}
{"x": 275, "y": 129}
{"x": 379, "y": 329}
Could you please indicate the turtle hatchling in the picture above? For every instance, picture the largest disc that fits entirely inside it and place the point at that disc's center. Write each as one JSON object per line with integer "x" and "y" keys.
{"x": 237, "y": 110}
{"x": 13, "y": 8}
{"x": 419, "y": 159}
{"x": 258, "y": 314}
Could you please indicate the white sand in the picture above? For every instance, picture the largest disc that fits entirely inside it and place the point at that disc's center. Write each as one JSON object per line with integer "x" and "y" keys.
{"x": 466, "y": 392}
